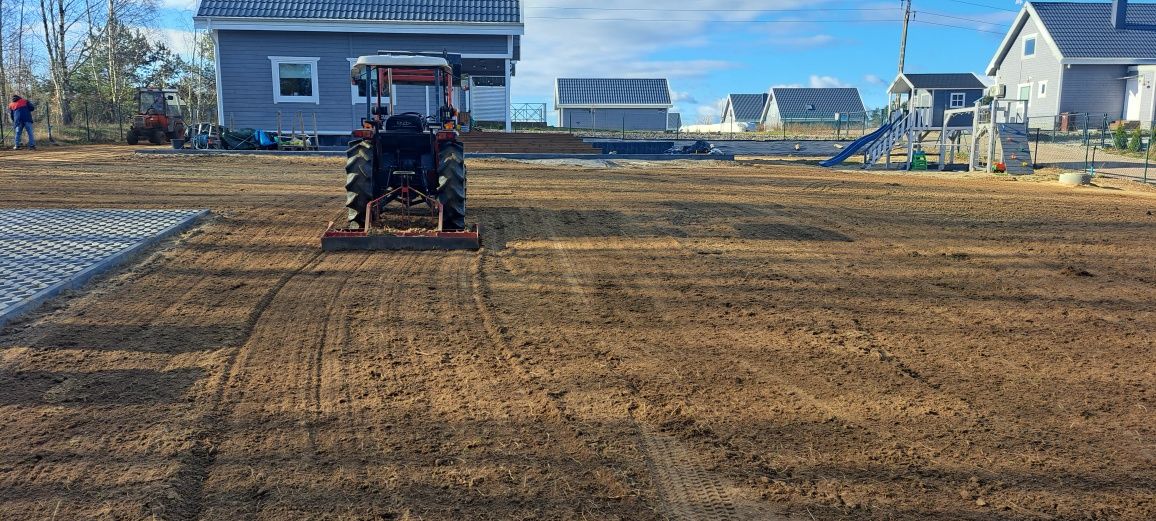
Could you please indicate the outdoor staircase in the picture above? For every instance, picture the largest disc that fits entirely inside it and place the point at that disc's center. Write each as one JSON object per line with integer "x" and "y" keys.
{"x": 1015, "y": 148}
{"x": 903, "y": 123}
{"x": 526, "y": 143}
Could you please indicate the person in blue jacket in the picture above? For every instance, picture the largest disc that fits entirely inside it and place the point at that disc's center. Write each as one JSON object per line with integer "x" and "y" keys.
{"x": 20, "y": 110}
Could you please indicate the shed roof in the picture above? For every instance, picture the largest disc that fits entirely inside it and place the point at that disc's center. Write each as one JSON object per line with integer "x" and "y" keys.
{"x": 747, "y": 107}
{"x": 625, "y": 92}
{"x": 815, "y": 103}
{"x": 949, "y": 80}
{"x": 460, "y": 11}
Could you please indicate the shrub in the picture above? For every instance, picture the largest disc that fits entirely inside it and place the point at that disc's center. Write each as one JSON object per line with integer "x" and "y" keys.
{"x": 1120, "y": 137}
{"x": 1134, "y": 141}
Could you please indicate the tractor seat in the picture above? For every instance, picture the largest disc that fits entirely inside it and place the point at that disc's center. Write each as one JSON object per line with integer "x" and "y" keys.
{"x": 405, "y": 122}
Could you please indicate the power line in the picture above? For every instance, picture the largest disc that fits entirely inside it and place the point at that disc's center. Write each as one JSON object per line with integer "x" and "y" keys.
{"x": 720, "y": 11}
{"x": 578, "y": 18}
{"x": 976, "y": 29}
{"x": 985, "y": 5}
{"x": 942, "y": 15}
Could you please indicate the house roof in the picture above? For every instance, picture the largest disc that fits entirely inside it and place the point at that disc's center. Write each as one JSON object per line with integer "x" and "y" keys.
{"x": 673, "y": 120}
{"x": 747, "y": 107}
{"x": 459, "y": 11}
{"x": 1083, "y": 32}
{"x": 908, "y": 82}
{"x": 621, "y": 92}
{"x": 809, "y": 103}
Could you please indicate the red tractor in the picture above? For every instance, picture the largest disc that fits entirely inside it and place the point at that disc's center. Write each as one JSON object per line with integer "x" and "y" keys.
{"x": 405, "y": 173}
{"x": 159, "y": 119}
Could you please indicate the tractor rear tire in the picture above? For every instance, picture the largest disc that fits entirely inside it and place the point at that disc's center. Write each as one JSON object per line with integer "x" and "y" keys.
{"x": 452, "y": 186}
{"x": 157, "y": 136}
{"x": 358, "y": 182}
{"x": 132, "y": 138}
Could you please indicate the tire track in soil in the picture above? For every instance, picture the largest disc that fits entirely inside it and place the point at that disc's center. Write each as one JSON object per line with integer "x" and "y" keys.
{"x": 687, "y": 490}
{"x": 185, "y": 502}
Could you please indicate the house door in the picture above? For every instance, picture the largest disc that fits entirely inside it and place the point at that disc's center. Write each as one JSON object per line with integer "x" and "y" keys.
{"x": 1018, "y": 111}
{"x": 1132, "y": 100}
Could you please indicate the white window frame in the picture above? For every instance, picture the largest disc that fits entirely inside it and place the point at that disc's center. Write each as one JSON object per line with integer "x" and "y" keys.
{"x": 1035, "y": 38}
{"x": 275, "y": 66}
{"x": 1020, "y": 87}
{"x": 1042, "y": 89}
{"x": 962, "y": 100}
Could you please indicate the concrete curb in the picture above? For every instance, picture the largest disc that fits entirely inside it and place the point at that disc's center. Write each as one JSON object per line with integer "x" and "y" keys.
{"x": 479, "y": 155}
{"x": 85, "y": 275}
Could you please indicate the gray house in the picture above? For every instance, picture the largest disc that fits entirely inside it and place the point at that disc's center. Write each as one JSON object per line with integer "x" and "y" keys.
{"x": 612, "y": 103}
{"x": 293, "y": 57}
{"x": 797, "y": 105}
{"x": 745, "y": 108}
{"x": 1067, "y": 57}
{"x": 936, "y": 93}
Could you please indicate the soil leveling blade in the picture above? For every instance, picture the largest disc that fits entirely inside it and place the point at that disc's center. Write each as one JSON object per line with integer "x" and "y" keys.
{"x": 339, "y": 240}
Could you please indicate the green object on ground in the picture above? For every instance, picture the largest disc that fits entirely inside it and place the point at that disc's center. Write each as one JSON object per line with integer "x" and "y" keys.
{"x": 919, "y": 160}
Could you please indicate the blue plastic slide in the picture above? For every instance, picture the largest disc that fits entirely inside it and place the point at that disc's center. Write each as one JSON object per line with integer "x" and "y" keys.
{"x": 854, "y": 146}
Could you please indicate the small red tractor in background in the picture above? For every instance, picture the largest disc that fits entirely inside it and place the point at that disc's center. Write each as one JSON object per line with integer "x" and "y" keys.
{"x": 405, "y": 174}
{"x": 159, "y": 119}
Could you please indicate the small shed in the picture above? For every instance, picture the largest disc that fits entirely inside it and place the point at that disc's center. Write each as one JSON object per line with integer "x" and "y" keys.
{"x": 800, "y": 105}
{"x": 613, "y": 103}
{"x": 745, "y": 108}
{"x": 938, "y": 92}
{"x": 673, "y": 121}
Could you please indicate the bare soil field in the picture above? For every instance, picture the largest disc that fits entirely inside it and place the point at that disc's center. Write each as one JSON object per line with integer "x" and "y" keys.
{"x": 675, "y": 341}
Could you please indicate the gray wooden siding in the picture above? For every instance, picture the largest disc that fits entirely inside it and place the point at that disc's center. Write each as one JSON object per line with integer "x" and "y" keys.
{"x": 613, "y": 119}
{"x": 247, "y": 81}
{"x": 1044, "y": 66}
{"x": 941, "y": 101}
{"x": 1095, "y": 89}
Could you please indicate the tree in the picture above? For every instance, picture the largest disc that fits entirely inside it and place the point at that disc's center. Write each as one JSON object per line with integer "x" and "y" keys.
{"x": 1135, "y": 140}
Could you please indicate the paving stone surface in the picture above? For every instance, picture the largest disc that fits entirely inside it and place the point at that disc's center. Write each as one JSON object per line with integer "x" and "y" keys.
{"x": 42, "y": 250}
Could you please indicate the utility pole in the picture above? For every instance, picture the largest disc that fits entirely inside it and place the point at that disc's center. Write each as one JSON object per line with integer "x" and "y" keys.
{"x": 903, "y": 44}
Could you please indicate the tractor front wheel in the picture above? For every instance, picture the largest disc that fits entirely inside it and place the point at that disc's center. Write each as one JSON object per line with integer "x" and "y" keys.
{"x": 132, "y": 138}
{"x": 452, "y": 185}
{"x": 358, "y": 182}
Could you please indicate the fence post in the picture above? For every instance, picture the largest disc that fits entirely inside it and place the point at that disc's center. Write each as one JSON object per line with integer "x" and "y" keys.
{"x": 1148, "y": 151}
{"x": 87, "y": 125}
{"x": 1036, "y": 156}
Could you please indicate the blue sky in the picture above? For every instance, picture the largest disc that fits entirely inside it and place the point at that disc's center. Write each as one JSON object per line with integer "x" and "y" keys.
{"x": 709, "y": 48}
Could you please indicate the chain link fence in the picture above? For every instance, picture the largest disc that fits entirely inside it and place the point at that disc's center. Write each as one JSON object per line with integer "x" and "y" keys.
{"x": 1095, "y": 143}
{"x": 93, "y": 121}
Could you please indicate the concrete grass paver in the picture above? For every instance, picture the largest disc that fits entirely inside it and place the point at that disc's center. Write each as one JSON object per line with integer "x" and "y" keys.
{"x": 46, "y": 251}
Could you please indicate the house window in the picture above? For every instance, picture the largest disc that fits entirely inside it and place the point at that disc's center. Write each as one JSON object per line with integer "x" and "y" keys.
{"x": 294, "y": 79}
{"x": 357, "y": 88}
{"x": 958, "y": 99}
{"x": 1042, "y": 90}
{"x": 1029, "y": 46}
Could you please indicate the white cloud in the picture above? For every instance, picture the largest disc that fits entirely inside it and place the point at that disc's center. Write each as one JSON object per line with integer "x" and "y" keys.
{"x": 873, "y": 79}
{"x": 683, "y": 97}
{"x": 805, "y": 41}
{"x": 623, "y": 43}
{"x": 820, "y": 82}
{"x": 184, "y": 5}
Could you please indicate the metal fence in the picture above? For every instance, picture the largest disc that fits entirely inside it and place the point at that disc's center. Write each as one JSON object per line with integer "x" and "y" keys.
{"x": 92, "y": 122}
{"x": 1094, "y": 143}
{"x": 847, "y": 127}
